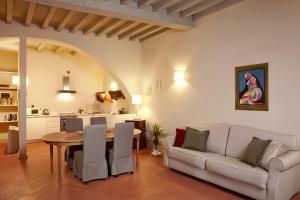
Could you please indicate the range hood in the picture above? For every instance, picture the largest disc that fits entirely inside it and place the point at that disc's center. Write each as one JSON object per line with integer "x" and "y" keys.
{"x": 66, "y": 86}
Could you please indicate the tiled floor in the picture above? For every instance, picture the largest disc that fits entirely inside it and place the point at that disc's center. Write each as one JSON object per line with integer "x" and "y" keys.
{"x": 31, "y": 179}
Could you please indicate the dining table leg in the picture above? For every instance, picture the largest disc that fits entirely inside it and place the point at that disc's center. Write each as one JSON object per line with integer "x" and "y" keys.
{"x": 137, "y": 151}
{"x": 59, "y": 162}
{"x": 51, "y": 158}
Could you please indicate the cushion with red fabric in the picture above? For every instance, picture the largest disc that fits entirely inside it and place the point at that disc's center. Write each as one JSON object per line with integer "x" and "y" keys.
{"x": 179, "y": 139}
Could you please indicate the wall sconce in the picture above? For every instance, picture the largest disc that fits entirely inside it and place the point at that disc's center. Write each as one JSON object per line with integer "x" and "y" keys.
{"x": 179, "y": 75}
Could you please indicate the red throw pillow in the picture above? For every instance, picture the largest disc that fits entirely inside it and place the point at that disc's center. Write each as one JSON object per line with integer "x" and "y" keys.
{"x": 179, "y": 139}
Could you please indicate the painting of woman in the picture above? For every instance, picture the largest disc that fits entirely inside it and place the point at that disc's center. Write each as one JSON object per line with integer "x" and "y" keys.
{"x": 251, "y": 87}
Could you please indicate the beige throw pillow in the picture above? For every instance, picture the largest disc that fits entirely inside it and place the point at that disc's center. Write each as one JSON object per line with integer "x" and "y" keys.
{"x": 273, "y": 150}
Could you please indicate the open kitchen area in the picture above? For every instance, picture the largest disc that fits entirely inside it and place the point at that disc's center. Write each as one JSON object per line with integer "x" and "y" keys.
{"x": 62, "y": 82}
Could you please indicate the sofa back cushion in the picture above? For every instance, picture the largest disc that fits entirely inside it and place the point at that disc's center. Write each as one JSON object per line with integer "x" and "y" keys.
{"x": 240, "y": 137}
{"x": 218, "y": 135}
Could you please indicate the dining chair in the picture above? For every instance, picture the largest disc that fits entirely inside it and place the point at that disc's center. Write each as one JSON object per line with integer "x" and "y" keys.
{"x": 120, "y": 156}
{"x": 72, "y": 125}
{"x": 90, "y": 163}
{"x": 98, "y": 120}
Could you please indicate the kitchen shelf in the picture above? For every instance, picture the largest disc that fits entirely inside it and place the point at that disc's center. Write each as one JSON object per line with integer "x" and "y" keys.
{"x": 8, "y": 105}
{"x": 9, "y": 121}
{"x": 12, "y": 89}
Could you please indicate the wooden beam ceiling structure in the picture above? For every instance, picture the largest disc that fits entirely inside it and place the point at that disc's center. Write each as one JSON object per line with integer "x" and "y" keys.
{"x": 30, "y": 13}
{"x": 9, "y": 11}
{"x": 135, "y": 20}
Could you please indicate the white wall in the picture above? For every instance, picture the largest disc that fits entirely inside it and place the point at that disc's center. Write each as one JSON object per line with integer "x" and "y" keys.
{"x": 121, "y": 58}
{"x": 45, "y": 70}
{"x": 250, "y": 32}
{"x": 8, "y": 61}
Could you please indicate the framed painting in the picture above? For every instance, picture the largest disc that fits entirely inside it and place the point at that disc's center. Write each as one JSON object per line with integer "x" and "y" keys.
{"x": 251, "y": 87}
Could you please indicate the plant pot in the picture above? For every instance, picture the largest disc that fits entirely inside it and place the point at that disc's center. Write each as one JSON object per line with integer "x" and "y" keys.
{"x": 155, "y": 152}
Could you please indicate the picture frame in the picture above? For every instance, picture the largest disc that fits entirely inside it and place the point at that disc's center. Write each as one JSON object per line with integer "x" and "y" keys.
{"x": 251, "y": 87}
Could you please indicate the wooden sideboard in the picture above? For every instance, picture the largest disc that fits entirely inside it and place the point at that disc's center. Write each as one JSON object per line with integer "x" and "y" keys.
{"x": 141, "y": 125}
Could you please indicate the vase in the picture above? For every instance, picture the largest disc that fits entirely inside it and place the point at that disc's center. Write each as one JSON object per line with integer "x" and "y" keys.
{"x": 155, "y": 152}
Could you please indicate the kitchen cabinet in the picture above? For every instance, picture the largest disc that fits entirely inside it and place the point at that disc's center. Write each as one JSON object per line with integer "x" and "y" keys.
{"x": 36, "y": 128}
{"x": 113, "y": 119}
{"x": 85, "y": 119}
{"x": 52, "y": 124}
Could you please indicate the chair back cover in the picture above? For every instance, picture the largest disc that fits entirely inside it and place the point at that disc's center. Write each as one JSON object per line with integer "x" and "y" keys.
{"x": 94, "y": 143}
{"x": 74, "y": 124}
{"x": 123, "y": 139}
{"x": 98, "y": 120}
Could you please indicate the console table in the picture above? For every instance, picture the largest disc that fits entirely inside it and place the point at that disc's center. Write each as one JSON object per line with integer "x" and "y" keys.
{"x": 141, "y": 125}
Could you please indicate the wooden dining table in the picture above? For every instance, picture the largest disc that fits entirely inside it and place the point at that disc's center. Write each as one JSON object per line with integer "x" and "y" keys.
{"x": 63, "y": 138}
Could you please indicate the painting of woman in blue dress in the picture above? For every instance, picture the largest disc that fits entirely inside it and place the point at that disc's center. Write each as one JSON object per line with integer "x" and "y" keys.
{"x": 252, "y": 87}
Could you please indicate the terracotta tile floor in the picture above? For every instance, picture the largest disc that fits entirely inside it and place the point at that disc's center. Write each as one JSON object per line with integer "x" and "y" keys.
{"x": 31, "y": 179}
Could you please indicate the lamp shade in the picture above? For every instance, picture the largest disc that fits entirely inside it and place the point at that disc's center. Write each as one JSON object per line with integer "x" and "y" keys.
{"x": 136, "y": 99}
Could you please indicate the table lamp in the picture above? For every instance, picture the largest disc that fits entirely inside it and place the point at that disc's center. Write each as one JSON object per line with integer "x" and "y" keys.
{"x": 137, "y": 100}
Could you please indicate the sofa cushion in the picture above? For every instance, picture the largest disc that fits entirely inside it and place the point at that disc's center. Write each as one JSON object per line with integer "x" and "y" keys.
{"x": 190, "y": 157}
{"x": 195, "y": 139}
{"x": 218, "y": 136}
{"x": 235, "y": 169}
{"x": 255, "y": 151}
{"x": 179, "y": 138}
{"x": 241, "y": 136}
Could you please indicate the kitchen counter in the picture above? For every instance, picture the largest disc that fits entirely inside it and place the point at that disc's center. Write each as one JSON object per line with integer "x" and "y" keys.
{"x": 40, "y": 125}
{"x": 78, "y": 115}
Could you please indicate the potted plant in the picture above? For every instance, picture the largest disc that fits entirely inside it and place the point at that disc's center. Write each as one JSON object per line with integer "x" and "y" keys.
{"x": 156, "y": 132}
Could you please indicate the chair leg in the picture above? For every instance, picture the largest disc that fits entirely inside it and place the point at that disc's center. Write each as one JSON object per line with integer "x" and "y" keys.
{"x": 115, "y": 176}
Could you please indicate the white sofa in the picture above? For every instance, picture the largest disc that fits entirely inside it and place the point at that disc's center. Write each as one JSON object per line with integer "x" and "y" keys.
{"x": 221, "y": 165}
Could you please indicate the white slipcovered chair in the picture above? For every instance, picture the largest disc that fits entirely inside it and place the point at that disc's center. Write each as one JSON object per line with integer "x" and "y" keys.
{"x": 90, "y": 163}
{"x": 72, "y": 125}
{"x": 120, "y": 156}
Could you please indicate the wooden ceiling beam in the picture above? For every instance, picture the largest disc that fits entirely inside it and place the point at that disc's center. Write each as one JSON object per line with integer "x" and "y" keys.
{"x": 94, "y": 26}
{"x": 119, "y": 28}
{"x": 74, "y": 53}
{"x": 59, "y": 49}
{"x": 49, "y": 17}
{"x": 80, "y": 23}
{"x": 124, "y": 2}
{"x": 160, "y": 31}
{"x": 67, "y": 18}
{"x": 216, "y": 8}
{"x": 113, "y": 9}
{"x": 199, "y": 7}
{"x": 182, "y": 6}
{"x": 9, "y": 11}
{"x": 132, "y": 30}
{"x": 143, "y": 3}
{"x": 30, "y": 13}
{"x": 144, "y": 32}
{"x": 106, "y": 26}
{"x": 164, "y": 4}
{"x": 40, "y": 47}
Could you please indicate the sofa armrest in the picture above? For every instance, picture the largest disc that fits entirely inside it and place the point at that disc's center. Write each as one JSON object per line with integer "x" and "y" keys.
{"x": 285, "y": 161}
{"x": 169, "y": 141}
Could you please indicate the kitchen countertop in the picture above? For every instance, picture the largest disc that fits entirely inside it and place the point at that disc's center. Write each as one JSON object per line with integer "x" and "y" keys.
{"x": 85, "y": 114}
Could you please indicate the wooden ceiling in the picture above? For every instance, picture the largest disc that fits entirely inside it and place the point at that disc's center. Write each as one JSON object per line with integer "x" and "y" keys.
{"x": 124, "y": 19}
